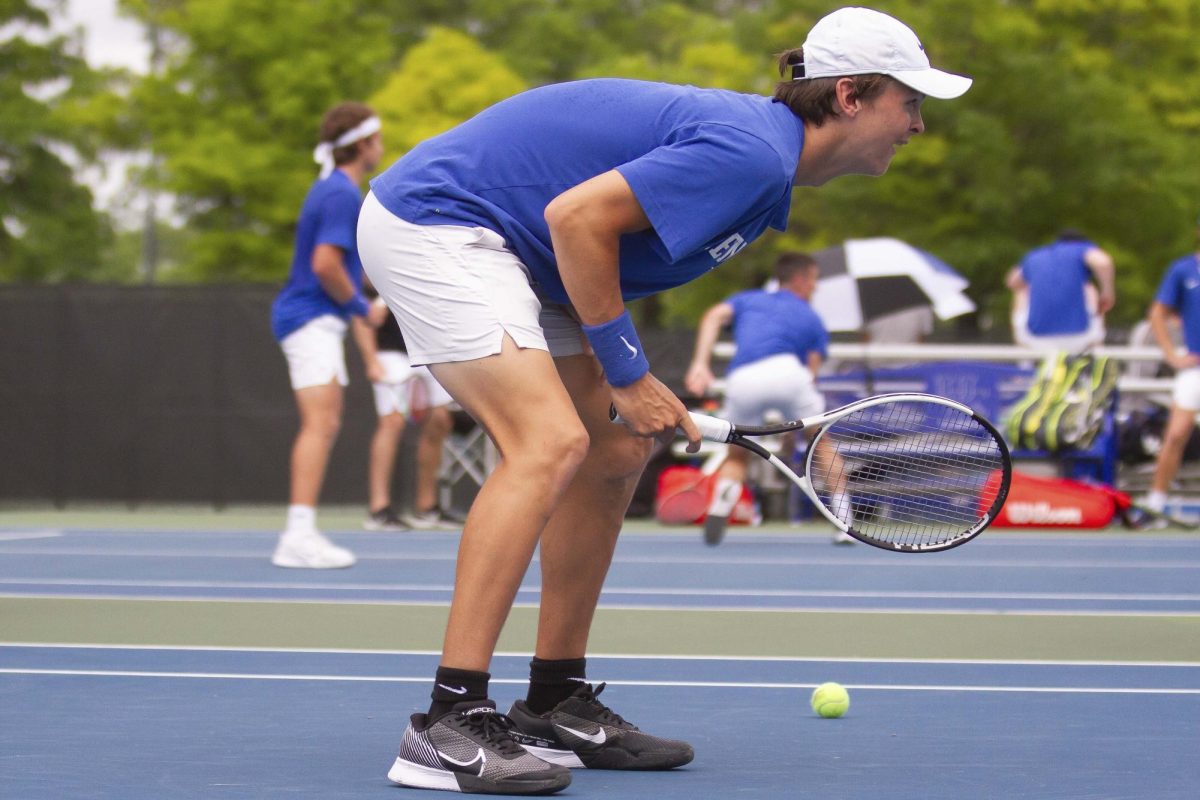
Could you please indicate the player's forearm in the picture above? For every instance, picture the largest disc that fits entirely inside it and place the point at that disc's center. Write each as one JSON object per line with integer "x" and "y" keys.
{"x": 329, "y": 268}
{"x": 1160, "y": 317}
{"x": 706, "y": 338}
{"x": 586, "y": 223}
{"x": 364, "y": 339}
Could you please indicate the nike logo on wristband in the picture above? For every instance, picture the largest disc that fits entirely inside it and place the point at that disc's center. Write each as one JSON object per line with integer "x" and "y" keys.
{"x": 455, "y": 689}
{"x": 632, "y": 349}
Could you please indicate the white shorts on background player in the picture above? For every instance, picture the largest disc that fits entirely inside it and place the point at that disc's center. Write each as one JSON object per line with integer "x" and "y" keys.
{"x": 392, "y": 393}
{"x": 778, "y": 383}
{"x": 1186, "y": 391}
{"x": 315, "y": 353}
{"x": 458, "y": 290}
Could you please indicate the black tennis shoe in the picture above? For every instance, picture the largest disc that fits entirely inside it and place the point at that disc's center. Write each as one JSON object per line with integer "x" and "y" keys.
{"x": 469, "y": 749}
{"x": 583, "y": 732}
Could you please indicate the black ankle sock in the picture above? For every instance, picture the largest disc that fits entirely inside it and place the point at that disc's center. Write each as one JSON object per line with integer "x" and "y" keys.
{"x": 453, "y": 686}
{"x": 551, "y": 682}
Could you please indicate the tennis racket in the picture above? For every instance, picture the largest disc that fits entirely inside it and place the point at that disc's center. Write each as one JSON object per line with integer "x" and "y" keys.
{"x": 914, "y": 473}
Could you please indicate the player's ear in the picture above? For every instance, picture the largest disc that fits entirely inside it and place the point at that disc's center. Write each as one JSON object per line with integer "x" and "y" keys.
{"x": 847, "y": 102}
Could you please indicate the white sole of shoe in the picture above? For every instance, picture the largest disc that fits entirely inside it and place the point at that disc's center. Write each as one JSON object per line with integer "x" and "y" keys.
{"x": 289, "y": 562}
{"x": 417, "y": 776}
{"x": 564, "y": 758}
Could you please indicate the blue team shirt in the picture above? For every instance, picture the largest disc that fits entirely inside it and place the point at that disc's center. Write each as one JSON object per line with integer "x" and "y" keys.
{"x": 712, "y": 169}
{"x": 1056, "y": 274}
{"x": 329, "y": 216}
{"x": 1180, "y": 291}
{"x": 770, "y": 323}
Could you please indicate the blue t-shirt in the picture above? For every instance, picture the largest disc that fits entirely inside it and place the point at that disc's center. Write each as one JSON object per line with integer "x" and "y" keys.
{"x": 1180, "y": 290}
{"x": 770, "y": 323}
{"x": 1056, "y": 274}
{"x": 329, "y": 216}
{"x": 712, "y": 169}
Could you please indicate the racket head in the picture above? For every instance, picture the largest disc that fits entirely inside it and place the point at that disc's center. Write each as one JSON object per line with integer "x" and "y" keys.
{"x": 911, "y": 473}
{"x": 418, "y": 400}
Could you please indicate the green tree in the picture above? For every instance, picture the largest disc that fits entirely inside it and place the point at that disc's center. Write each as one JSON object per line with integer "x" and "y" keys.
{"x": 233, "y": 114}
{"x": 48, "y": 228}
{"x": 431, "y": 91}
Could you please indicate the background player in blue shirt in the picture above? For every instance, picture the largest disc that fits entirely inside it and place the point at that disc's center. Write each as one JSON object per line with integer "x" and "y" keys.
{"x": 780, "y": 346}
{"x": 309, "y": 318}
{"x": 1179, "y": 294}
{"x": 1051, "y": 294}
{"x": 507, "y": 247}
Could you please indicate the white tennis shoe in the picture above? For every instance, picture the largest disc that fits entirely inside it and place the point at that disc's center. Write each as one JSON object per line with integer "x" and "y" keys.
{"x": 310, "y": 550}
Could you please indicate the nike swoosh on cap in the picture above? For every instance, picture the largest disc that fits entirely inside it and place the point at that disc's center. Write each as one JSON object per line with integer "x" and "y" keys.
{"x": 599, "y": 737}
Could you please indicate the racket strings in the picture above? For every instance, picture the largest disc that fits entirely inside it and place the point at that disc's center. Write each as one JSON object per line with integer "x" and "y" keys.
{"x": 907, "y": 473}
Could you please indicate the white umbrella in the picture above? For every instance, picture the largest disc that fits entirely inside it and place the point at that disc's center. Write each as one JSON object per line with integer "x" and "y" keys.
{"x": 864, "y": 279}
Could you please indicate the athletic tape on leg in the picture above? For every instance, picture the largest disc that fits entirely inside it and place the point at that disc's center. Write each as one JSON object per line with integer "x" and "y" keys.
{"x": 618, "y": 349}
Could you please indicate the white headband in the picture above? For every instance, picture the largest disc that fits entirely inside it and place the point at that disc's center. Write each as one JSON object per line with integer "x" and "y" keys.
{"x": 323, "y": 153}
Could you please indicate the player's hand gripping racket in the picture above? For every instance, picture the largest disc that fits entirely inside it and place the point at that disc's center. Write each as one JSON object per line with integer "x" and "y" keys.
{"x": 908, "y": 472}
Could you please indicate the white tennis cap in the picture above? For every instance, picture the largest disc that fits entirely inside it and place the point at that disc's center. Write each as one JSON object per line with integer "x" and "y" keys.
{"x": 859, "y": 41}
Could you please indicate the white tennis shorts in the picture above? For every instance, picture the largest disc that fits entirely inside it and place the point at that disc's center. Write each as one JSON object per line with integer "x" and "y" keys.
{"x": 315, "y": 353}
{"x": 1186, "y": 393}
{"x": 458, "y": 290}
{"x": 779, "y": 384}
{"x": 392, "y": 393}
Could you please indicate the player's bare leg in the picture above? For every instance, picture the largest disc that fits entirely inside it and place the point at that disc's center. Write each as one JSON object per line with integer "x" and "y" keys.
{"x": 577, "y": 548}
{"x": 381, "y": 460}
{"x": 320, "y": 410}
{"x": 434, "y": 430}
{"x": 301, "y": 545}
{"x": 731, "y": 477}
{"x": 518, "y": 398}
{"x": 830, "y": 464}
{"x": 578, "y": 542}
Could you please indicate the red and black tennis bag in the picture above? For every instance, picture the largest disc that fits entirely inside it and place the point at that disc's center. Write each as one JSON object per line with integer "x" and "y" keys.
{"x": 1035, "y": 502}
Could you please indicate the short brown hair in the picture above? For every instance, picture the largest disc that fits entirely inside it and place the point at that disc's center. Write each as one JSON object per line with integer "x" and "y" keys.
{"x": 815, "y": 99}
{"x": 339, "y": 119}
{"x": 788, "y": 265}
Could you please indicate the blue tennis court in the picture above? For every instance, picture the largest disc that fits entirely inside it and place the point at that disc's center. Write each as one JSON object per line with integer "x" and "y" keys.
{"x": 177, "y": 663}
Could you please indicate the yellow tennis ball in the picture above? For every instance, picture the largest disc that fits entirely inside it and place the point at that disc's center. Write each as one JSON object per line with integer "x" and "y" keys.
{"x": 830, "y": 700}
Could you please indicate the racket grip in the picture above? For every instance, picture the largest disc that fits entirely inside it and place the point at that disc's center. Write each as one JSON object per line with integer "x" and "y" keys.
{"x": 712, "y": 429}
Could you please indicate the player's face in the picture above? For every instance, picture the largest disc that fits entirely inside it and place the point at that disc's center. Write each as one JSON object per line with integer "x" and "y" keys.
{"x": 372, "y": 151}
{"x": 885, "y": 124}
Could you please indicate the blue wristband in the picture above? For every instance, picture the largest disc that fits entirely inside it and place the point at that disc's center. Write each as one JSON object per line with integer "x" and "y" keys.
{"x": 618, "y": 350}
{"x": 356, "y": 306}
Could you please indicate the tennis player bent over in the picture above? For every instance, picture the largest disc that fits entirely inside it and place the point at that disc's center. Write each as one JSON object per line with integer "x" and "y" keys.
{"x": 507, "y": 248}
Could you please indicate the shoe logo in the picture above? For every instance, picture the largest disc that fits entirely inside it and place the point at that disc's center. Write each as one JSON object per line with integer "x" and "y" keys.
{"x": 455, "y": 689}
{"x": 632, "y": 349}
{"x": 599, "y": 737}
{"x": 480, "y": 757}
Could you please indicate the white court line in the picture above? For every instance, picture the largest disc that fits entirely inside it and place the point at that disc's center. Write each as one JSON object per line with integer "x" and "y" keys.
{"x": 13, "y": 536}
{"x": 652, "y": 591}
{"x": 993, "y": 538}
{"x": 611, "y": 656}
{"x": 606, "y": 606}
{"x": 521, "y": 681}
{"x": 808, "y": 561}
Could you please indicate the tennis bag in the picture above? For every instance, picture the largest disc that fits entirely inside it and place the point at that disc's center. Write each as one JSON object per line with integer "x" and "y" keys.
{"x": 684, "y": 493}
{"x": 1035, "y": 502}
{"x": 1065, "y": 406}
